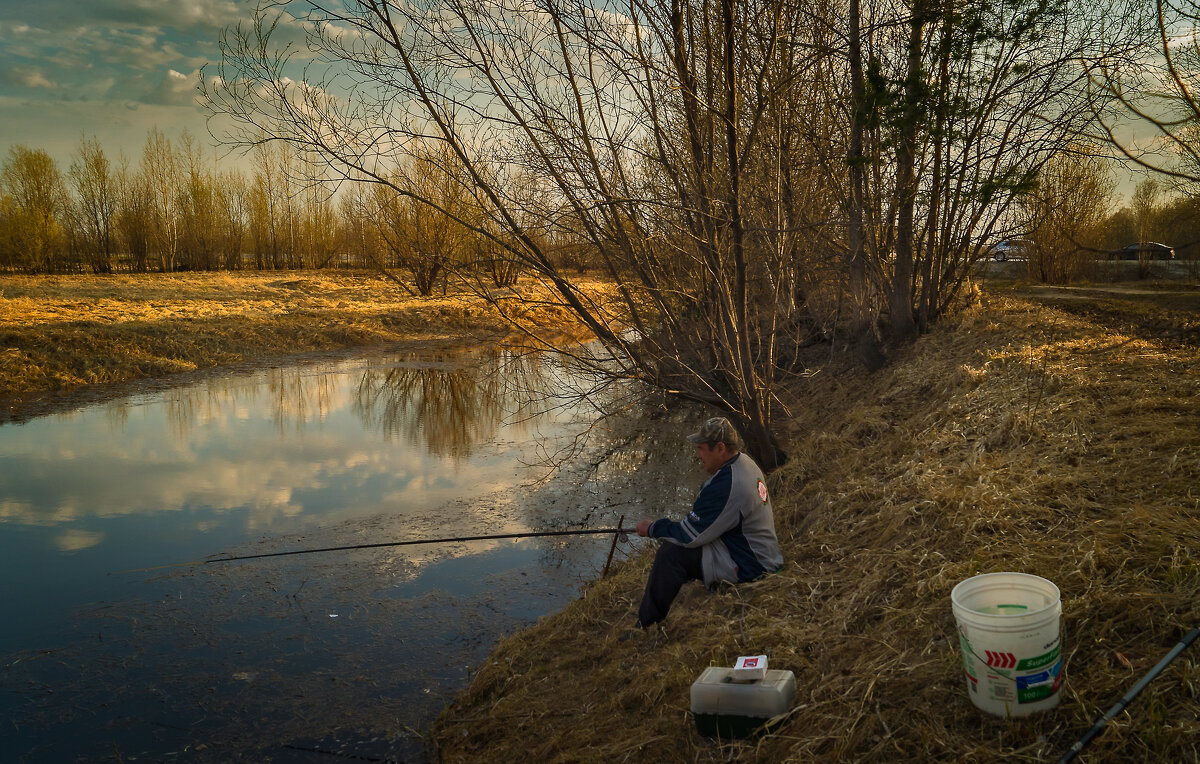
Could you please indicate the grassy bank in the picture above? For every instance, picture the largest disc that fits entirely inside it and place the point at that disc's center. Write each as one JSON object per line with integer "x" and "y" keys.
{"x": 61, "y": 333}
{"x": 1027, "y": 437}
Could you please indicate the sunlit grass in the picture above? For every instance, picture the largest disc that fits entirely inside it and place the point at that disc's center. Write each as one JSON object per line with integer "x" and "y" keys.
{"x": 1022, "y": 438}
{"x": 63, "y": 332}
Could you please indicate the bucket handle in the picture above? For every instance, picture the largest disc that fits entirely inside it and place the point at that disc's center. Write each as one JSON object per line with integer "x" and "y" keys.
{"x": 962, "y": 640}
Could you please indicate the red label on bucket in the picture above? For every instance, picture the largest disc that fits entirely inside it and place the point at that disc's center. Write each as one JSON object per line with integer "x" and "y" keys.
{"x": 1000, "y": 660}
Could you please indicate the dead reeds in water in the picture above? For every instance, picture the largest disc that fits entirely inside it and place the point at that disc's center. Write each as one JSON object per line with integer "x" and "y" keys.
{"x": 1021, "y": 439}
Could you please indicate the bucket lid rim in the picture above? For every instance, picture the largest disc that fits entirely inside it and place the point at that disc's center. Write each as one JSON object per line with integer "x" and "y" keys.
{"x": 954, "y": 593}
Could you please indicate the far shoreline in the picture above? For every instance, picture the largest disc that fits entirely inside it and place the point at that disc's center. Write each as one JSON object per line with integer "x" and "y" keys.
{"x": 66, "y": 341}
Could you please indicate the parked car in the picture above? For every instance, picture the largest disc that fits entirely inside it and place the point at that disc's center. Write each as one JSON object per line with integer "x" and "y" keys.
{"x": 1012, "y": 249}
{"x": 1146, "y": 250}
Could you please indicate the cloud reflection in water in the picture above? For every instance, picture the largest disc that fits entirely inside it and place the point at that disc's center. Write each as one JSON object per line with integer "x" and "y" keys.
{"x": 316, "y": 443}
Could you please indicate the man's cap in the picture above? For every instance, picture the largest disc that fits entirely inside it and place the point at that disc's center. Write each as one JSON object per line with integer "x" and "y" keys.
{"x": 717, "y": 430}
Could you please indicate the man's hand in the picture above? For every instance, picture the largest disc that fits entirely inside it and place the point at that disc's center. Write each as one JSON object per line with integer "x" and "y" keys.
{"x": 643, "y": 527}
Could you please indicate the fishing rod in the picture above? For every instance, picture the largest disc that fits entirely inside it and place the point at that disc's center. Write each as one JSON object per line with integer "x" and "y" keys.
{"x": 533, "y": 534}
{"x": 618, "y": 534}
{"x": 1128, "y": 698}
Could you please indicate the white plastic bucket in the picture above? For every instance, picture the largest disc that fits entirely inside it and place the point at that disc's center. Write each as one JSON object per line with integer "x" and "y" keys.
{"x": 1008, "y": 629}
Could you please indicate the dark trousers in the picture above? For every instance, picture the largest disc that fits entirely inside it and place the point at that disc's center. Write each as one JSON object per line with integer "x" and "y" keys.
{"x": 673, "y": 567}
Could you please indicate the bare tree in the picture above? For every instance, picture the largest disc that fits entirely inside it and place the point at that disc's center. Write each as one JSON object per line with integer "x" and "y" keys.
{"x": 698, "y": 147}
{"x": 359, "y": 233}
{"x": 1146, "y": 205}
{"x": 956, "y": 110}
{"x": 645, "y": 121}
{"x": 272, "y": 213}
{"x": 318, "y": 226}
{"x": 161, "y": 173}
{"x": 1147, "y": 103}
{"x": 233, "y": 201}
{"x": 1180, "y": 226}
{"x": 135, "y": 216}
{"x": 35, "y": 206}
{"x": 95, "y": 185}
{"x": 198, "y": 208}
{"x": 1066, "y": 215}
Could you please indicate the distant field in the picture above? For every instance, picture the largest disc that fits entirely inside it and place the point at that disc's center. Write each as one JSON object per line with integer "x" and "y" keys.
{"x": 61, "y": 333}
{"x": 1164, "y": 310}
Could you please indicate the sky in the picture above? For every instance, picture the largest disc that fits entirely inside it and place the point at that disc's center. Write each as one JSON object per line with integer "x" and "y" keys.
{"x": 112, "y": 69}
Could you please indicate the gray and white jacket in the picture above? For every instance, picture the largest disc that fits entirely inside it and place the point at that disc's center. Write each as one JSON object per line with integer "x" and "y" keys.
{"x": 732, "y": 521}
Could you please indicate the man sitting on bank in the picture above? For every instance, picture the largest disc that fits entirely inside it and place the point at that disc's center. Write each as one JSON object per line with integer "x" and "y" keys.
{"x": 728, "y": 536}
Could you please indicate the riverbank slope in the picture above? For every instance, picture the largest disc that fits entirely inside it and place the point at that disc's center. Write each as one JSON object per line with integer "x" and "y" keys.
{"x": 1048, "y": 438}
{"x": 62, "y": 336}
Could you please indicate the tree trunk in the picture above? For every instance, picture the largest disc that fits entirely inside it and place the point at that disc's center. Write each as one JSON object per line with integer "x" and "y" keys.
{"x": 862, "y": 331}
{"x": 903, "y": 327}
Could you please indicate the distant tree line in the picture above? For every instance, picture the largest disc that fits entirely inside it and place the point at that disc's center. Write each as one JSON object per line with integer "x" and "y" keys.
{"x": 1073, "y": 220}
{"x": 176, "y": 209}
{"x": 1156, "y": 211}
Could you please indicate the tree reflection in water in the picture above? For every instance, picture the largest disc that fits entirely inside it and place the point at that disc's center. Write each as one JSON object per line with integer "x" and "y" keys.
{"x": 445, "y": 403}
{"x": 450, "y": 403}
{"x": 295, "y": 397}
{"x": 298, "y": 398}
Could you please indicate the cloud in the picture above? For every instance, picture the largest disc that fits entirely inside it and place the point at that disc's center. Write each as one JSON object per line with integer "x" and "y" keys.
{"x": 173, "y": 89}
{"x": 35, "y": 79}
{"x": 112, "y": 68}
{"x": 16, "y": 510}
{"x": 26, "y": 77}
{"x": 101, "y": 86}
{"x": 191, "y": 16}
{"x": 132, "y": 49}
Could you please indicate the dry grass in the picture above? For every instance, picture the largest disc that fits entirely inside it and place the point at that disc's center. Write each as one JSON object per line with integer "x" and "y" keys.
{"x": 1024, "y": 438}
{"x": 60, "y": 333}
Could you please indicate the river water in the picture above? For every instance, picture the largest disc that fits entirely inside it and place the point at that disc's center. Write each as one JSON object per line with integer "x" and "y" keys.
{"x": 113, "y": 651}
